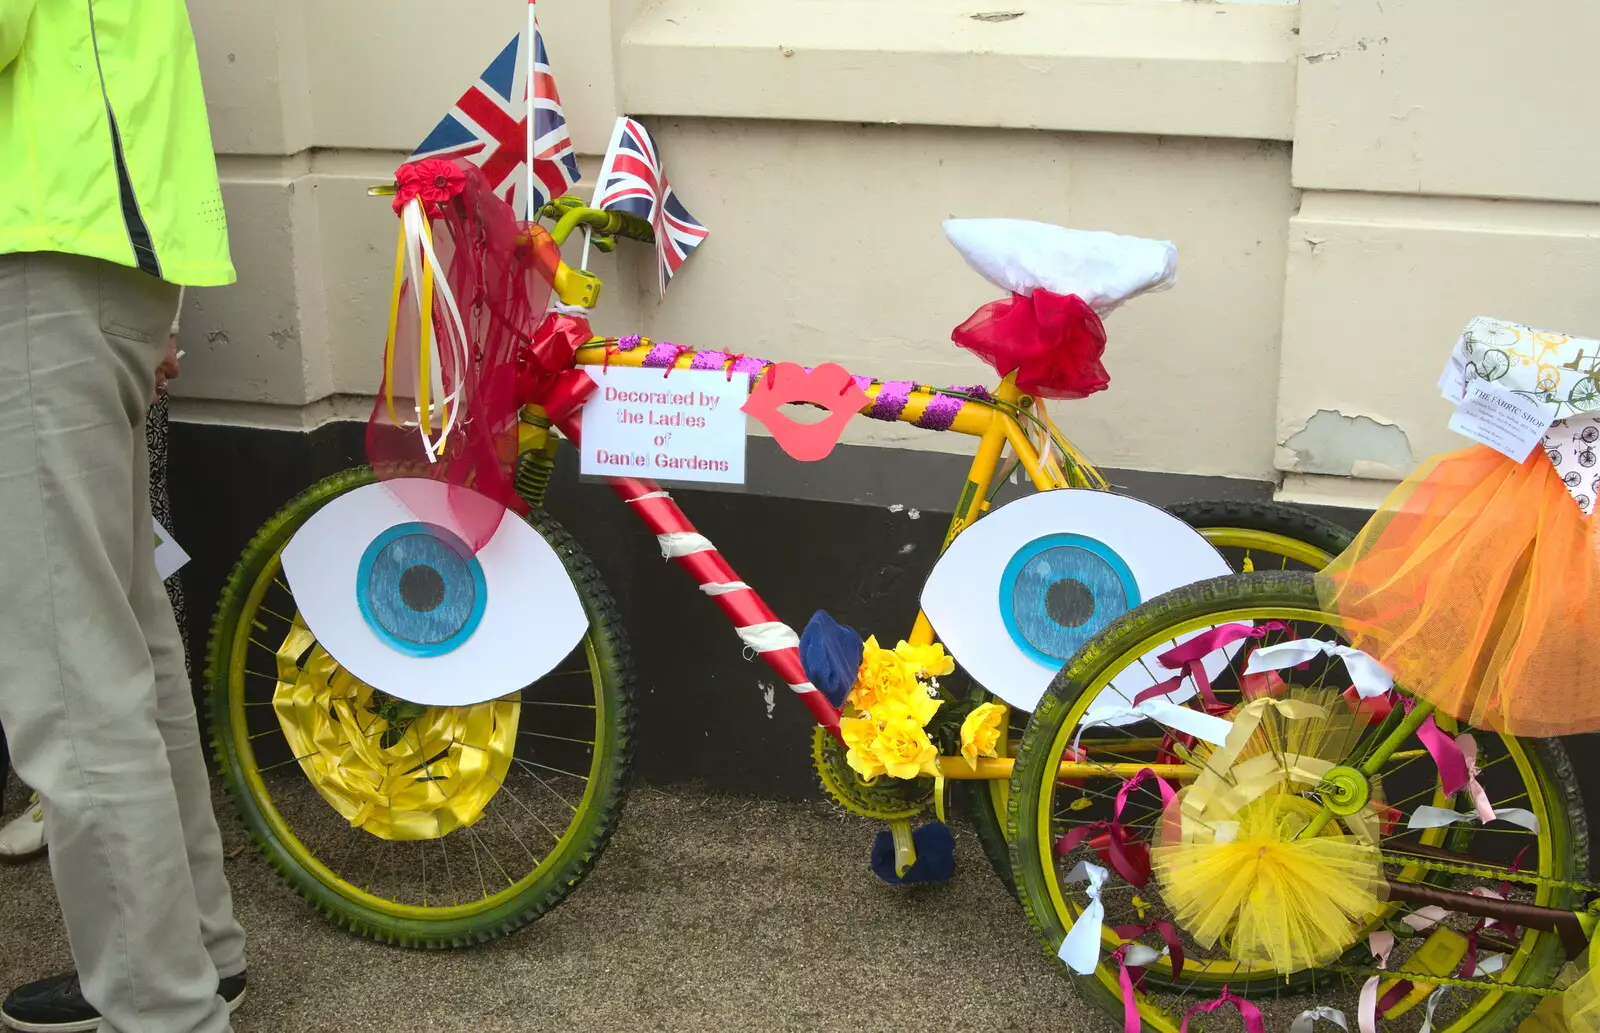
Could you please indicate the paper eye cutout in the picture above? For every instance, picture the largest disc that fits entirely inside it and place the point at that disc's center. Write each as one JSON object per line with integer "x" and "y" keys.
{"x": 828, "y": 386}
{"x": 1058, "y": 591}
{"x": 405, "y": 606}
{"x": 1020, "y": 591}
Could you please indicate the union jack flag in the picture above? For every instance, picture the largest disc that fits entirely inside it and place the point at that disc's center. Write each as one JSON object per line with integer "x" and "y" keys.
{"x": 488, "y": 126}
{"x": 632, "y": 180}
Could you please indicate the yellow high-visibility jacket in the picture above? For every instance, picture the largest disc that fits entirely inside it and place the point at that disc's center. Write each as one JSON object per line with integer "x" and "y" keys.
{"x": 104, "y": 146}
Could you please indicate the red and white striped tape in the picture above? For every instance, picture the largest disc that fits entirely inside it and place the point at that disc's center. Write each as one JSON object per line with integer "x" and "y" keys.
{"x": 758, "y": 627}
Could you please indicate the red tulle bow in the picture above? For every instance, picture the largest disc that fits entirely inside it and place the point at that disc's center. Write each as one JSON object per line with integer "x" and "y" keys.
{"x": 1053, "y": 342}
{"x": 545, "y": 372}
{"x": 432, "y": 180}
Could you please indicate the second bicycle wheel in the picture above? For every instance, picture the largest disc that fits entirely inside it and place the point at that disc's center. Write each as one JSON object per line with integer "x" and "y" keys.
{"x": 1358, "y": 770}
{"x": 422, "y": 826}
{"x": 1251, "y": 536}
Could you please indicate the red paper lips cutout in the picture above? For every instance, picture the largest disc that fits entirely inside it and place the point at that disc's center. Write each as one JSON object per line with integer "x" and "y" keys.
{"x": 828, "y": 386}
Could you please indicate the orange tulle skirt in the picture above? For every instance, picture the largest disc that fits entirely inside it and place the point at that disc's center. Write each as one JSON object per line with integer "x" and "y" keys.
{"x": 1477, "y": 584}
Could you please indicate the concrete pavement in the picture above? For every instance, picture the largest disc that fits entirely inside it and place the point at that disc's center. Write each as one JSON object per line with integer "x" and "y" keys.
{"x": 707, "y": 912}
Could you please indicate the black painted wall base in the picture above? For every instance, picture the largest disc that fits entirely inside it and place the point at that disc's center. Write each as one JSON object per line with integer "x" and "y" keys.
{"x": 855, "y": 534}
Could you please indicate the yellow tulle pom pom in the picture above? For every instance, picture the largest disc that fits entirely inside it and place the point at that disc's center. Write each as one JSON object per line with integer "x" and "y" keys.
{"x": 1271, "y": 898}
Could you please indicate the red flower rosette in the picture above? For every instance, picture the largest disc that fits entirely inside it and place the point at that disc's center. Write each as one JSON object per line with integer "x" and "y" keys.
{"x": 433, "y": 181}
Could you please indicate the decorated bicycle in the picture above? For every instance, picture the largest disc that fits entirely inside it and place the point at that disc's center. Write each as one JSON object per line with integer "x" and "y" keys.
{"x": 421, "y": 691}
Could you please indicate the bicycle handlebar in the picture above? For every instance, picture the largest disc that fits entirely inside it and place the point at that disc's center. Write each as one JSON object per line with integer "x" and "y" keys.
{"x": 570, "y": 213}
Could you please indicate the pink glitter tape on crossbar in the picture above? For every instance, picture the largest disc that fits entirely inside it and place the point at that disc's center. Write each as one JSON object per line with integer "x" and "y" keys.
{"x": 940, "y": 413}
{"x": 891, "y": 400}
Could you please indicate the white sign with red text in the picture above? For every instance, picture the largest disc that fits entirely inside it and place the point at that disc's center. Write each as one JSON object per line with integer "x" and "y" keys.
{"x": 684, "y": 427}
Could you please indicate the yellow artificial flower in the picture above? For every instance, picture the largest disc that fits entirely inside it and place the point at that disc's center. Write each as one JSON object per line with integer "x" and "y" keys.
{"x": 859, "y": 733}
{"x": 928, "y": 661}
{"x": 916, "y": 705}
{"x": 981, "y": 731}
{"x": 903, "y": 748}
{"x": 881, "y": 678}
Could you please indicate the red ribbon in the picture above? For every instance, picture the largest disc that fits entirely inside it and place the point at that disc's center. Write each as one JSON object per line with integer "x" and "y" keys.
{"x": 1371, "y": 710}
{"x": 1396, "y": 994}
{"x": 1189, "y": 657}
{"x": 1247, "y": 1011}
{"x": 1130, "y": 857}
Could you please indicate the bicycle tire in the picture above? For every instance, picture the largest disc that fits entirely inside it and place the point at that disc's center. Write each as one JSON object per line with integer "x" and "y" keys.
{"x": 1565, "y": 821}
{"x": 594, "y": 819}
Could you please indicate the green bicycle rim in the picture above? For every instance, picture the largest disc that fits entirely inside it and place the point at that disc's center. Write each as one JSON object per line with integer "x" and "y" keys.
{"x": 1533, "y": 777}
{"x": 250, "y": 772}
{"x": 569, "y": 856}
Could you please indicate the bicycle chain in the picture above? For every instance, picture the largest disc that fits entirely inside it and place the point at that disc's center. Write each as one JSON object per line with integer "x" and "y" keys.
{"x": 1433, "y": 980}
{"x": 1491, "y": 874}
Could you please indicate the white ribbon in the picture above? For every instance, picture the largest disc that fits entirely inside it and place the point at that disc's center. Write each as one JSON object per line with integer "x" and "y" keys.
{"x": 682, "y": 543}
{"x": 1433, "y": 1002}
{"x": 1438, "y": 817}
{"x": 1138, "y": 955}
{"x": 1305, "y": 1020}
{"x": 723, "y": 587}
{"x": 768, "y": 636}
{"x": 1213, "y": 730}
{"x": 419, "y": 250}
{"x": 1080, "y": 948}
{"x": 1366, "y": 674}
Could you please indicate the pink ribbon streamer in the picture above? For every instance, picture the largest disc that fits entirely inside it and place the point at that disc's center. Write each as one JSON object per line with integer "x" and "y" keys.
{"x": 1247, "y": 1011}
{"x": 1367, "y": 1008}
{"x": 1381, "y": 943}
{"x": 1480, "y": 799}
{"x": 1189, "y": 659}
{"x": 1130, "y": 1006}
{"x": 1447, "y": 756}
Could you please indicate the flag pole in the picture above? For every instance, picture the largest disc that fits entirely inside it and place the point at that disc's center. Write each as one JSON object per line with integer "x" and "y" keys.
{"x": 532, "y": 46}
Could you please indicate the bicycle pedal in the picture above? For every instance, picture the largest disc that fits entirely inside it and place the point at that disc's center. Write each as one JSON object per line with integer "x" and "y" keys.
{"x": 1439, "y": 955}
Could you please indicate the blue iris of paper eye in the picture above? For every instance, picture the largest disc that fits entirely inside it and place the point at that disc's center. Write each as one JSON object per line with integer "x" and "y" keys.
{"x": 420, "y": 589}
{"x": 1059, "y": 591}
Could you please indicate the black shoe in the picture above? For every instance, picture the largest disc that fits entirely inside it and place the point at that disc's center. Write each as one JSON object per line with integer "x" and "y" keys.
{"x": 56, "y": 1005}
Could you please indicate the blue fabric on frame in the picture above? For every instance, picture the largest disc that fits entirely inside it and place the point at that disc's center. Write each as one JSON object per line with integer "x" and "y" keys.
{"x": 831, "y": 653}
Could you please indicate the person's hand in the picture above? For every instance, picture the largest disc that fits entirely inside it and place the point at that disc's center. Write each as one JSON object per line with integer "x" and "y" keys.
{"x": 168, "y": 370}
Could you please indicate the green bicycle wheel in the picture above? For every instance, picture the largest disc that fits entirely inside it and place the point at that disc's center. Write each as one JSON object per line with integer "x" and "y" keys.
{"x": 1251, "y": 536}
{"x": 1544, "y": 865}
{"x": 387, "y": 818}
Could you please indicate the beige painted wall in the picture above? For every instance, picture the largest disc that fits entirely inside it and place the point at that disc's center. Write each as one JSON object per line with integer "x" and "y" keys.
{"x": 1334, "y": 172}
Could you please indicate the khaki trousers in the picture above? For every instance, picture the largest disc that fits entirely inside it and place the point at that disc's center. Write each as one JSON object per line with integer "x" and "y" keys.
{"x": 93, "y": 694}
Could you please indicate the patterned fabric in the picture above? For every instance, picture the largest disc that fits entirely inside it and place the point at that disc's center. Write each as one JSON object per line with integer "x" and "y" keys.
{"x": 155, "y": 429}
{"x": 1556, "y": 372}
{"x": 1573, "y": 446}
